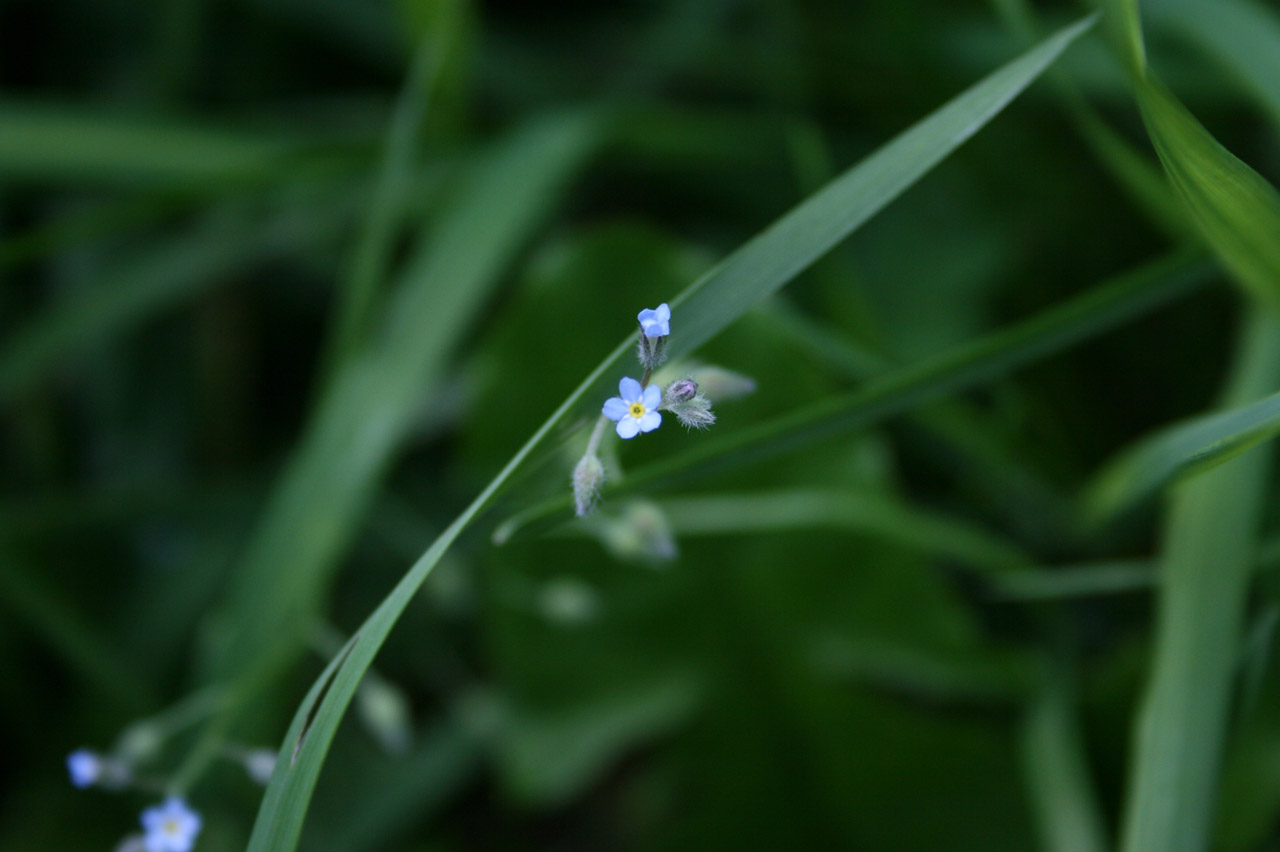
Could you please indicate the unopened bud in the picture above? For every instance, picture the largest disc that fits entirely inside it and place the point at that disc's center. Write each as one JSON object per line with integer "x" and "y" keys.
{"x": 680, "y": 391}
{"x": 588, "y": 476}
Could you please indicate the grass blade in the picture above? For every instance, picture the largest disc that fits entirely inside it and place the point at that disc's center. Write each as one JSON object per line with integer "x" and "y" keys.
{"x": 1053, "y": 757}
{"x": 1237, "y": 211}
{"x": 757, "y": 269}
{"x": 46, "y": 144}
{"x": 1208, "y": 556}
{"x": 358, "y": 293}
{"x": 1181, "y": 451}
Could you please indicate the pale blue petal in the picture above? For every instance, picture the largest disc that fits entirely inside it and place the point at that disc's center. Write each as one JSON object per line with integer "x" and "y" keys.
{"x": 652, "y": 396}
{"x": 629, "y": 389}
{"x": 628, "y": 427}
{"x": 651, "y": 420}
{"x": 663, "y": 313}
{"x": 615, "y": 409}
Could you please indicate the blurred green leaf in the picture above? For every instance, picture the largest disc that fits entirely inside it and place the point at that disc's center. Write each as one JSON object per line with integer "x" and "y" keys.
{"x": 1053, "y": 751}
{"x": 45, "y": 144}
{"x": 757, "y": 269}
{"x": 366, "y": 414}
{"x": 1179, "y": 452}
{"x": 1207, "y": 559}
{"x": 869, "y": 513}
{"x": 156, "y": 279}
{"x": 359, "y": 291}
{"x": 1241, "y": 35}
{"x": 1237, "y": 211}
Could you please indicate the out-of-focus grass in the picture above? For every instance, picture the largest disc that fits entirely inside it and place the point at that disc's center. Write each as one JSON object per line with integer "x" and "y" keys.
{"x": 285, "y": 284}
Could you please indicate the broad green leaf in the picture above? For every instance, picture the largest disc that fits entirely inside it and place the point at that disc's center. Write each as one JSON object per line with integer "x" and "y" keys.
{"x": 905, "y": 389}
{"x": 1181, "y": 451}
{"x": 757, "y": 269}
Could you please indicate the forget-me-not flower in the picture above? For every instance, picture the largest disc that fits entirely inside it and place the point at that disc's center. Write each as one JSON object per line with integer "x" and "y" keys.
{"x": 85, "y": 768}
{"x": 656, "y": 322}
{"x": 170, "y": 827}
{"x": 635, "y": 410}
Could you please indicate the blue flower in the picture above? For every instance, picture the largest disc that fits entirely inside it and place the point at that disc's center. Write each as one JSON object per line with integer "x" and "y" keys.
{"x": 170, "y": 827}
{"x": 85, "y": 768}
{"x": 656, "y": 322}
{"x": 636, "y": 409}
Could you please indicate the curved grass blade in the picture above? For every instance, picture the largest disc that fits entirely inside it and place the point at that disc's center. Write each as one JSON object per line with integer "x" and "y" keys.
{"x": 903, "y": 390}
{"x": 757, "y": 269}
{"x": 1236, "y": 210}
{"x": 1179, "y": 452}
{"x": 1208, "y": 556}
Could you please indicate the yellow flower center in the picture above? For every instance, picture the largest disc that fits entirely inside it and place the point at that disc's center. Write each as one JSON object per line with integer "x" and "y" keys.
{"x": 637, "y": 410}
{"x": 170, "y": 826}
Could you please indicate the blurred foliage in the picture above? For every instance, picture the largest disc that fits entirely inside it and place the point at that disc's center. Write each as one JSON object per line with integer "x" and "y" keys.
{"x": 285, "y": 283}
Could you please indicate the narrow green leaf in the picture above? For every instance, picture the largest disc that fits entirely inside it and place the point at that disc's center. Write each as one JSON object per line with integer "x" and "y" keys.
{"x": 1072, "y": 581}
{"x": 1181, "y": 451}
{"x": 1058, "y": 776}
{"x": 762, "y": 265}
{"x": 1237, "y": 211}
{"x": 757, "y": 269}
{"x": 40, "y": 143}
{"x": 1209, "y": 546}
{"x": 358, "y": 294}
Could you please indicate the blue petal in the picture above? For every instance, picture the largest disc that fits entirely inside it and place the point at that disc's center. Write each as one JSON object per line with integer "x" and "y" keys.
{"x": 615, "y": 409}
{"x": 651, "y": 420}
{"x": 629, "y": 389}
{"x": 652, "y": 396}
{"x": 628, "y": 427}
{"x": 663, "y": 313}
